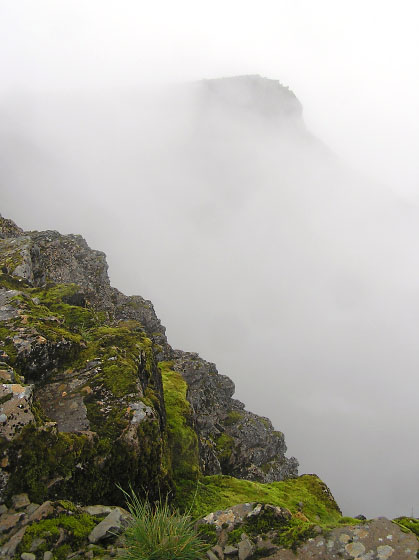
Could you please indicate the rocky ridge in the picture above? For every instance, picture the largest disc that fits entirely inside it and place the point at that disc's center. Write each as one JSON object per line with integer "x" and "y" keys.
{"x": 91, "y": 393}
{"x": 58, "y": 306}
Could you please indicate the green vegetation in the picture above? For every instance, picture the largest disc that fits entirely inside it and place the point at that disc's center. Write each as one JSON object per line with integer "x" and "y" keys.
{"x": 221, "y": 492}
{"x": 157, "y": 533}
{"x": 212, "y": 493}
{"x": 153, "y": 456}
{"x": 73, "y": 528}
{"x": 183, "y": 441}
{"x": 233, "y": 417}
{"x": 83, "y": 467}
{"x": 225, "y": 444}
{"x": 346, "y": 520}
{"x": 408, "y": 524}
{"x": 290, "y": 532}
{"x": 208, "y": 533}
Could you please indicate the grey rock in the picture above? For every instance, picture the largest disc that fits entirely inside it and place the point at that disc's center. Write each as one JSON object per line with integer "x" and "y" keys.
{"x": 256, "y": 450}
{"x": 9, "y": 229}
{"x": 245, "y": 549}
{"x": 140, "y": 411}
{"x": 230, "y": 551}
{"x": 7, "y": 310}
{"x": 31, "y": 508}
{"x": 42, "y": 512}
{"x": 4, "y": 479}
{"x": 379, "y": 539}
{"x": 218, "y": 551}
{"x": 65, "y": 405}
{"x": 20, "y": 501}
{"x": 108, "y": 527}
{"x": 17, "y": 409}
{"x": 48, "y": 555}
{"x": 9, "y": 521}
{"x": 98, "y": 510}
{"x": 36, "y": 543}
{"x": 28, "y": 556}
{"x": 8, "y": 550}
{"x": 211, "y": 555}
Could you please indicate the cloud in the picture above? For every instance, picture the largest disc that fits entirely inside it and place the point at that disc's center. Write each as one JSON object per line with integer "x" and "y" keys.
{"x": 261, "y": 249}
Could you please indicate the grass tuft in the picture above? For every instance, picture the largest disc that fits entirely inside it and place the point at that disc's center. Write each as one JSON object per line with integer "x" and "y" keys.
{"x": 158, "y": 533}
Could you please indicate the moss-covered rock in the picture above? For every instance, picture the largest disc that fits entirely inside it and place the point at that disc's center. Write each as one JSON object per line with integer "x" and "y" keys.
{"x": 182, "y": 438}
{"x": 102, "y": 412}
{"x": 98, "y": 414}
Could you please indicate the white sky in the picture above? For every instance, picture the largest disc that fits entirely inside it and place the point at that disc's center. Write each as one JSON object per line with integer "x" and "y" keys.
{"x": 354, "y": 65}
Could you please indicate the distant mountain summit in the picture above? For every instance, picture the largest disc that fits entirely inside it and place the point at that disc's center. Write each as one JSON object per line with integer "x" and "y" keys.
{"x": 254, "y": 93}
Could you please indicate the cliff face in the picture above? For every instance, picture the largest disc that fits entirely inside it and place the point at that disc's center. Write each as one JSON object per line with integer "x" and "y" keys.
{"x": 82, "y": 400}
{"x": 92, "y": 395}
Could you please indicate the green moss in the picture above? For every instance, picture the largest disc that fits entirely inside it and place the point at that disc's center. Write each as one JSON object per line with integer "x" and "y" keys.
{"x": 119, "y": 349}
{"x": 62, "y": 552}
{"x": 6, "y": 398}
{"x": 294, "y": 533}
{"x": 408, "y": 524}
{"x": 183, "y": 441}
{"x": 109, "y": 425}
{"x": 208, "y": 533}
{"x": 10, "y": 253}
{"x": 67, "y": 505}
{"x": 85, "y": 469}
{"x": 233, "y": 417}
{"x": 11, "y": 282}
{"x": 224, "y": 448}
{"x": 38, "y": 413}
{"x": 221, "y": 492}
{"x": 121, "y": 378}
{"x": 349, "y": 521}
{"x": 77, "y": 528}
{"x": 290, "y": 533}
{"x": 38, "y": 456}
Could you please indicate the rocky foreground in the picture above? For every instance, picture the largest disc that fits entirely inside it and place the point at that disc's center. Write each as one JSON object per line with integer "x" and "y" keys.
{"x": 92, "y": 396}
{"x": 248, "y": 531}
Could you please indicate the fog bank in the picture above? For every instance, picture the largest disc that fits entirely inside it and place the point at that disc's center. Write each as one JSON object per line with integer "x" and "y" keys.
{"x": 260, "y": 249}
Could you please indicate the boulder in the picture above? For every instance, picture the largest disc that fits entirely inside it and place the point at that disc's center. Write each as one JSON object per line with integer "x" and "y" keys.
{"x": 111, "y": 525}
{"x": 20, "y": 501}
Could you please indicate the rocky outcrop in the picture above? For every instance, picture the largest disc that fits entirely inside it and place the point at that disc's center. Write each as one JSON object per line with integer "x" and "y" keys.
{"x": 231, "y": 440}
{"x": 80, "y": 379}
{"x": 47, "y": 257}
{"x": 253, "y": 530}
{"x": 59, "y": 529}
{"x": 81, "y": 394}
{"x": 92, "y": 394}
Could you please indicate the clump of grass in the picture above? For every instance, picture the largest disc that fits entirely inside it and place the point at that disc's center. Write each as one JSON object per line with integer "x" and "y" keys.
{"x": 158, "y": 533}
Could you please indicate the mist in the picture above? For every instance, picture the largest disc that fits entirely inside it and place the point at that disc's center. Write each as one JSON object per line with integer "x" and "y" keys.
{"x": 264, "y": 239}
